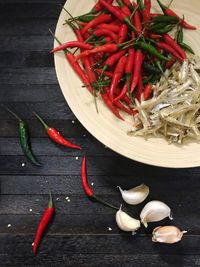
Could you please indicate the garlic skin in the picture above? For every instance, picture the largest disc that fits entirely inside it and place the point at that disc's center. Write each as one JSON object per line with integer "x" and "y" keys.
{"x": 167, "y": 234}
{"x": 125, "y": 222}
{"x": 135, "y": 195}
{"x": 155, "y": 211}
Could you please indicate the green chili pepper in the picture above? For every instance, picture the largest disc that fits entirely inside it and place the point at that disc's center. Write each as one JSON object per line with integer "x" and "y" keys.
{"x": 164, "y": 30}
{"x": 158, "y": 26}
{"x": 152, "y": 50}
{"x": 179, "y": 37}
{"x": 85, "y": 17}
{"x": 150, "y": 68}
{"x": 166, "y": 19}
{"x": 187, "y": 48}
{"x": 25, "y": 140}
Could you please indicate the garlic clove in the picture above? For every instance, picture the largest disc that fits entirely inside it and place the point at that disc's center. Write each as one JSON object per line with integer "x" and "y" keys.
{"x": 167, "y": 234}
{"x": 135, "y": 195}
{"x": 155, "y": 211}
{"x": 125, "y": 222}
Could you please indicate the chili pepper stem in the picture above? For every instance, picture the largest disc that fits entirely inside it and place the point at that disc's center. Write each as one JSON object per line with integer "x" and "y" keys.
{"x": 104, "y": 202}
{"x": 14, "y": 114}
{"x": 41, "y": 120}
{"x": 50, "y": 205}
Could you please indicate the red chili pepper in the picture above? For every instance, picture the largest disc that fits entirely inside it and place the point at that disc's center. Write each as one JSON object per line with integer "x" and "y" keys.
{"x": 147, "y": 92}
{"x": 128, "y": 72}
{"x": 47, "y": 216}
{"x": 98, "y": 20}
{"x": 110, "y": 26}
{"x": 105, "y": 32}
{"x": 118, "y": 73}
{"x": 107, "y": 48}
{"x": 123, "y": 33}
{"x": 137, "y": 69}
{"x": 146, "y": 12}
{"x": 110, "y": 105}
{"x": 169, "y": 12}
{"x": 169, "y": 49}
{"x": 72, "y": 44}
{"x": 87, "y": 188}
{"x": 155, "y": 36}
{"x": 125, "y": 98}
{"x": 106, "y": 73}
{"x": 136, "y": 20}
{"x": 118, "y": 14}
{"x": 55, "y": 135}
{"x": 170, "y": 41}
{"x": 89, "y": 70}
{"x": 140, "y": 88}
{"x": 154, "y": 15}
{"x": 110, "y": 61}
{"x": 170, "y": 63}
{"x": 98, "y": 7}
{"x": 122, "y": 107}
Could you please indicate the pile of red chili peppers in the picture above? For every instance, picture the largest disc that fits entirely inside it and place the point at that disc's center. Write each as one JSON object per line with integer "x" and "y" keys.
{"x": 124, "y": 49}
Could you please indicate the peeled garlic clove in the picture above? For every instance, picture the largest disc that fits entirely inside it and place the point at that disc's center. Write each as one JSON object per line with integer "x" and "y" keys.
{"x": 167, "y": 234}
{"x": 126, "y": 222}
{"x": 135, "y": 195}
{"x": 155, "y": 211}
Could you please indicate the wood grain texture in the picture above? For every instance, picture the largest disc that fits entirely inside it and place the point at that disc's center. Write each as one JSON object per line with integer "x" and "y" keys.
{"x": 79, "y": 234}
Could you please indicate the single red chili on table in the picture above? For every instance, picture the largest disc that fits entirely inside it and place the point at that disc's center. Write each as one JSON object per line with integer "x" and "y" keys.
{"x": 55, "y": 135}
{"x": 47, "y": 216}
{"x": 87, "y": 188}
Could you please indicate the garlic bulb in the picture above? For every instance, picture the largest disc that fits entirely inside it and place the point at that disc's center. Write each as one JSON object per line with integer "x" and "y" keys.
{"x": 126, "y": 222}
{"x": 135, "y": 195}
{"x": 154, "y": 211}
{"x": 167, "y": 234}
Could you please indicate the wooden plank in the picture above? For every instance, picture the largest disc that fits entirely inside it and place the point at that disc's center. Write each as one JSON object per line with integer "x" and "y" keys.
{"x": 28, "y": 76}
{"x": 61, "y": 185}
{"x": 31, "y": 93}
{"x": 27, "y": 27}
{"x": 26, "y": 43}
{"x": 61, "y": 224}
{"x": 105, "y": 260}
{"x": 68, "y": 128}
{"x": 29, "y": 10}
{"x": 44, "y": 147}
{"x": 23, "y": 59}
{"x": 59, "y": 110}
{"x": 115, "y": 165}
{"x": 99, "y": 244}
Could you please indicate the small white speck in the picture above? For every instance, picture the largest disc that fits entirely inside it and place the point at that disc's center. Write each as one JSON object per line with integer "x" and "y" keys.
{"x": 109, "y": 229}
{"x": 77, "y": 158}
{"x": 32, "y": 244}
{"x": 23, "y": 164}
{"x": 84, "y": 135}
{"x": 68, "y": 200}
{"x": 37, "y": 200}
{"x": 9, "y": 225}
{"x": 73, "y": 122}
{"x": 57, "y": 198}
{"x": 30, "y": 210}
{"x": 92, "y": 184}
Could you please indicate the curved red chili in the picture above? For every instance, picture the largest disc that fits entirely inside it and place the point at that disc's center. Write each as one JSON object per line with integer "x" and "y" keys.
{"x": 55, "y": 135}
{"x": 105, "y": 32}
{"x": 170, "y": 41}
{"x": 98, "y": 20}
{"x": 87, "y": 188}
{"x": 169, "y": 49}
{"x": 113, "y": 27}
{"x": 118, "y": 73}
{"x": 137, "y": 69}
{"x": 72, "y": 44}
{"x": 47, "y": 215}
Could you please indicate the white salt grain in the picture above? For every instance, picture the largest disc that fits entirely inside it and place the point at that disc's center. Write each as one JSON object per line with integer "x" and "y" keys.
{"x": 77, "y": 158}
{"x": 109, "y": 229}
{"x": 9, "y": 225}
{"x": 92, "y": 184}
{"x": 23, "y": 164}
{"x": 73, "y": 122}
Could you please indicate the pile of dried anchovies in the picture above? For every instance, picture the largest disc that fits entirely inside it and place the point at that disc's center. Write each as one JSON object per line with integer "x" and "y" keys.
{"x": 174, "y": 109}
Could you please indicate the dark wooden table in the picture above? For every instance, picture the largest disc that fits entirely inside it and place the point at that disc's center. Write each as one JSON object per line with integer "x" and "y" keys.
{"x": 82, "y": 233}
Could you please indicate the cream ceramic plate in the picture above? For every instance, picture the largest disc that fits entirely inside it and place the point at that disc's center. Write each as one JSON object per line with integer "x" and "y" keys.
{"x": 110, "y": 131}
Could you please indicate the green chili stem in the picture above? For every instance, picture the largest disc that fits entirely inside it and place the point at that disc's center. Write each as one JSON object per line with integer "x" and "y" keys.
{"x": 41, "y": 120}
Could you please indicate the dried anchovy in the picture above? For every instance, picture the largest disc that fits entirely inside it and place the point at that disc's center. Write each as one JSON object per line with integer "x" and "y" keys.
{"x": 174, "y": 109}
